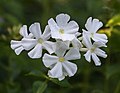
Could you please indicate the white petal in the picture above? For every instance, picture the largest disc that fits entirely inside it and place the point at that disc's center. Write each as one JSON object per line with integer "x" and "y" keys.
{"x": 77, "y": 34}
{"x": 96, "y": 59}
{"x": 88, "y": 56}
{"x": 19, "y": 50}
{"x": 72, "y": 54}
{"x": 96, "y": 24}
{"x": 70, "y": 68}
{"x": 56, "y": 71}
{"x": 62, "y": 20}
{"x": 99, "y": 44}
{"x": 54, "y": 29}
{"x": 88, "y": 23}
{"x": 35, "y": 30}
{"x": 86, "y": 41}
{"x": 85, "y": 32}
{"x": 93, "y": 25}
{"x": 49, "y": 46}
{"x": 15, "y": 44}
{"x": 30, "y": 36}
{"x": 100, "y": 53}
{"x": 61, "y": 48}
{"x": 68, "y": 37}
{"x": 100, "y": 37}
{"x": 76, "y": 43}
{"x": 61, "y": 78}
{"x": 46, "y": 34}
{"x": 23, "y": 31}
{"x": 71, "y": 28}
{"x": 36, "y": 52}
{"x": 28, "y": 43}
{"x": 49, "y": 60}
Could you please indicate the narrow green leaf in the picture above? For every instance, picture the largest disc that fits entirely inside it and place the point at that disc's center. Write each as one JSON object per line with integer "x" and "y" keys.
{"x": 36, "y": 73}
{"x": 117, "y": 90}
{"x": 39, "y": 86}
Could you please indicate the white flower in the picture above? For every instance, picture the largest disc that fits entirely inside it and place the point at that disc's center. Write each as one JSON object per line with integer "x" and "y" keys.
{"x": 92, "y": 27}
{"x": 63, "y": 28}
{"x": 38, "y": 42}
{"x": 17, "y": 45}
{"x": 59, "y": 65}
{"x": 94, "y": 51}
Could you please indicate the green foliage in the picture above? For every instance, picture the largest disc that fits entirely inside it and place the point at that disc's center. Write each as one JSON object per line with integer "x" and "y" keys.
{"x": 20, "y": 74}
{"x": 39, "y": 87}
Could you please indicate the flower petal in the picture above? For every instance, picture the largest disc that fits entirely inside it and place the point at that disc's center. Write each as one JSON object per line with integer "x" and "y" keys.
{"x": 88, "y": 23}
{"x": 86, "y": 41}
{"x": 54, "y": 29}
{"x": 46, "y": 34}
{"x": 19, "y": 50}
{"x": 76, "y": 43}
{"x": 88, "y": 56}
{"x": 62, "y": 20}
{"x": 15, "y": 44}
{"x": 99, "y": 44}
{"x": 61, "y": 48}
{"x": 35, "y": 30}
{"x": 68, "y": 37}
{"x": 93, "y": 25}
{"x": 61, "y": 78}
{"x": 23, "y": 31}
{"x": 100, "y": 53}
{"x": 28, "y": 43}
{"x": 49, "y": 60}
{"x": 49, "y": 46}
{"x": 96, "y": 59}
{"x": 71, "y": 28}
{"x": 96, "y": 24}
{"x": 56, "y": 71}
{"x": 77, "y": 34}
{"x": 70, "y": 68}
{"x": 36, "y": 52}
{"x": 100, "y": 37}
{"x": 72, "y": 54}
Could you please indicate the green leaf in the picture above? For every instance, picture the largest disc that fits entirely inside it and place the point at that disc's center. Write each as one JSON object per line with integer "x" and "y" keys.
{"x": 63, "y": 83}
{"x": 39, "y": 86}
{"x": 37, "y": 73}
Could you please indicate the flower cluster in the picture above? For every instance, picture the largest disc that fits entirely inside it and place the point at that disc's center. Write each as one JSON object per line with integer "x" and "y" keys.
{"x": 67, "y": 46}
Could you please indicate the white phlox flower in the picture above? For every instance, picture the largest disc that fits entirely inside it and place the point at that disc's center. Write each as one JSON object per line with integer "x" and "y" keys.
{"x": 92, "y": 26}
{"x": 59, "y": 65}
{"x": 68, "y": 45}
{"x": 63, "y": 28}
{"x": 39, "y": 41}
{"x": 17, "y": 45}
{"x": 94, "y": 51}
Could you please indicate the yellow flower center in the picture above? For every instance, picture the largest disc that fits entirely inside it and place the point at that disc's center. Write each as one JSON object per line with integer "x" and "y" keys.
{"x": 61, "y": 31}
{"x": 61, "y": 59}
{"x": 40, "y": 40}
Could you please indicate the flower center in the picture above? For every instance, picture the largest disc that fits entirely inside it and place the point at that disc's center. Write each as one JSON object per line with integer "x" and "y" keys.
{"x": 61, "y": 59}
{"x": 92, "y": 49}
{"x": 40, "y": 40}
{"x": 61, "y": 31}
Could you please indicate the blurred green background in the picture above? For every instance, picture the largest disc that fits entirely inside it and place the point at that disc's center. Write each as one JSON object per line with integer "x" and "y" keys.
{"x": 20, "y": 74}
